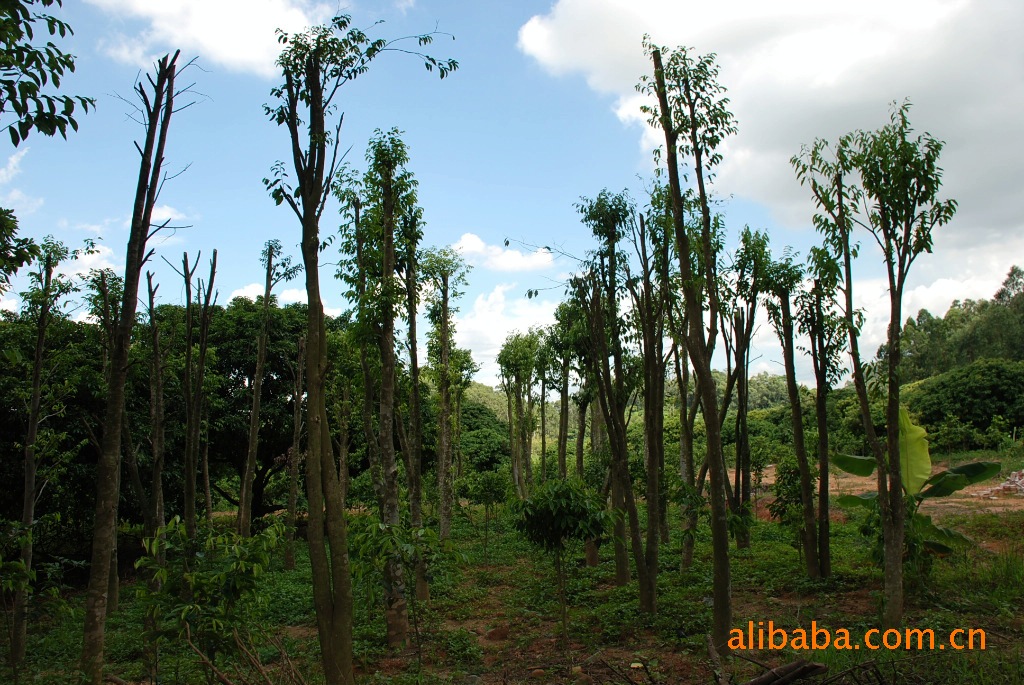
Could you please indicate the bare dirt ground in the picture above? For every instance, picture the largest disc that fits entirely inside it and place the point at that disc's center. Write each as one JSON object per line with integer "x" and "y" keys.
{"x": 971, "y": 500}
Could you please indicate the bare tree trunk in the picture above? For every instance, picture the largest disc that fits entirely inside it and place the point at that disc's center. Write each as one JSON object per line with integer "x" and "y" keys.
{"x": 245, "y": 496}
{"x": 563, "y": 419}
{"x": 543, "y": 431}
{"x": 396, "y": 614}
{"x": 445, "y": 485}
{"x": 28, "y": 502}
{"x": 195, "y": 373}
{"x": 698, "y": 347}
{"x": 157, "y": 112}
{"x": 294, "y": 458}
{"x": 415, "y": 448}
{"x": 809, "y": 533}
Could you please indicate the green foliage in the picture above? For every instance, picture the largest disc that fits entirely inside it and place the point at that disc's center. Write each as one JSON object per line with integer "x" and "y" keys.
{"x": 558, "y": 513}
{"x": 786, "y": 507}
{"x": 923, "y": 538}
{"x": 960, "y": 406}
{"x": 205, "y": 588}
{"x": 28, "y": 70}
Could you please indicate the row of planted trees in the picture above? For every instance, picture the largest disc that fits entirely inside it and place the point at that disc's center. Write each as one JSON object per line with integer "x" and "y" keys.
{"x": 661, "y": 292}
{"x": 357, "y": 388}
{"x": 658, "y": 292}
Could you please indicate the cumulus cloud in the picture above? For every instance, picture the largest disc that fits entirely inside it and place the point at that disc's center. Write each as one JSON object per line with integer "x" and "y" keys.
{"x": 162, "y": 213}
{"x": 236, "y": 34}
{"x": 101, "y": 257}
{"x": 249, "y": 292}
{"x": 290, "y": 295}
{"x": 496, "y": 258}
{"x": 9, "y": 304}
{"x": 493, "y": 317}
{"x": 802, "y": 69}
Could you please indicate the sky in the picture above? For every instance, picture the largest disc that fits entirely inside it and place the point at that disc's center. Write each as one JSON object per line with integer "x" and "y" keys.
{"x": 541, "y": 112}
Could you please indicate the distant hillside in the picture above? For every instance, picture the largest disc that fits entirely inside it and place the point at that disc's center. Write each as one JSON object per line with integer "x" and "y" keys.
{"x": 490, "y": 398}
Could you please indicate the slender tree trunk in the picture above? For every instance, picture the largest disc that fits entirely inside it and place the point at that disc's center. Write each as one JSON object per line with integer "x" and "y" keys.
{"x": 157, "y": 110}
{"x": 396, "y": 614}
{"x": 819, "y": 348}
{"x": 294, "y": 457}
{"x": 894, "y": 520}
{"x": 28, "y": 503}
{"x": 245, "y": 496}
{"x": 809, "y": 533}
{"x": 563, "y": 419}
{"x": 415, "y": 449}
{"x": 328, "y": 554}
{"x": 445, "y": 486}
{"x": 543, "y": 431}
{"x": 698, "y": 346}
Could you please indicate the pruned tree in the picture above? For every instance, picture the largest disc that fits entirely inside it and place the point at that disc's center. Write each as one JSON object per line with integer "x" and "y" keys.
{"x": 194, "y": 374}
{"x": 43, "y": 303}
{"x": 901, "y": 178}
{"x": 897, "y": 203}
{"x": 445, "y": 271}
{"x": 692, "y": 111}
{"x": 614, "y": 370}
{"x": 276, "y": 272}
{"x": 785, "y": 283}
{"x": 820, "y": 320}
{"x": 158, "y": 104}
{"x": 315, "y": 65}
{"x": 517, "y": 361}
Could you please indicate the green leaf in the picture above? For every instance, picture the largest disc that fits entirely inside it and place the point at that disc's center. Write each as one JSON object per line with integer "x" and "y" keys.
{"x": 915, "y": 463}
{"x": 866, "y": 500}
{"x": 943, "y": 484}
{"x": 854, "y": 464}
{"x": 977, "y": 471}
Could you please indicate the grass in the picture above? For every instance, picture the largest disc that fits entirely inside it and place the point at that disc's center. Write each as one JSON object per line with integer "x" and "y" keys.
{"x": 509, "y": 586}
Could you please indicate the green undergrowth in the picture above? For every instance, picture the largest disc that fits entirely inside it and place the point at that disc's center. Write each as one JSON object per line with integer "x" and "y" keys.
{"x": 508, "y": 585}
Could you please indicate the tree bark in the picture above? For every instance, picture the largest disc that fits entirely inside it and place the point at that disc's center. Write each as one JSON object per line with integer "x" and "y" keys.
{"x": 157, "y": 109}
{"x": 697, "y": 345}
{"x": 20, "y": 610}
{"x": 245, "y": 496}
{"x": 809, "y": 534}
{"x": 294, "y": 457}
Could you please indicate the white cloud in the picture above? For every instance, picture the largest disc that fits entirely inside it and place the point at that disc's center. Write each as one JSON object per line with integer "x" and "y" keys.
{"x": 102, "y": 257}
{"x": 494, "y": 316}
{"x": 9, "y": 304}
{"x": 162, "y": 213}
{"x": 15, "y": 199}
{"x": 290, "y": 295}
{"x": 236, "y": 34}
{"x": 803, "y": 69}
{"x": 249, "y": 292}
{"x": 479, "y": 253}
{"x": 797, "y": 70}
{"x": 13, "y": 166}
{"x": 21, "y": 203}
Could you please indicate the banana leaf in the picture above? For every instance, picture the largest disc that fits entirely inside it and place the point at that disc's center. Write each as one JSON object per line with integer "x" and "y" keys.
{"x": 915, "y": 463}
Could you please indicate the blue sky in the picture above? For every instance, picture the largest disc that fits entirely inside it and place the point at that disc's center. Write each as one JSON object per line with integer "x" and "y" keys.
{"x": 541, "y": 111}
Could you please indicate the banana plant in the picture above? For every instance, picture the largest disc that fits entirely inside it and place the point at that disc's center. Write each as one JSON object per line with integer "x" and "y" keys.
{"x": 919, "y": 484}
